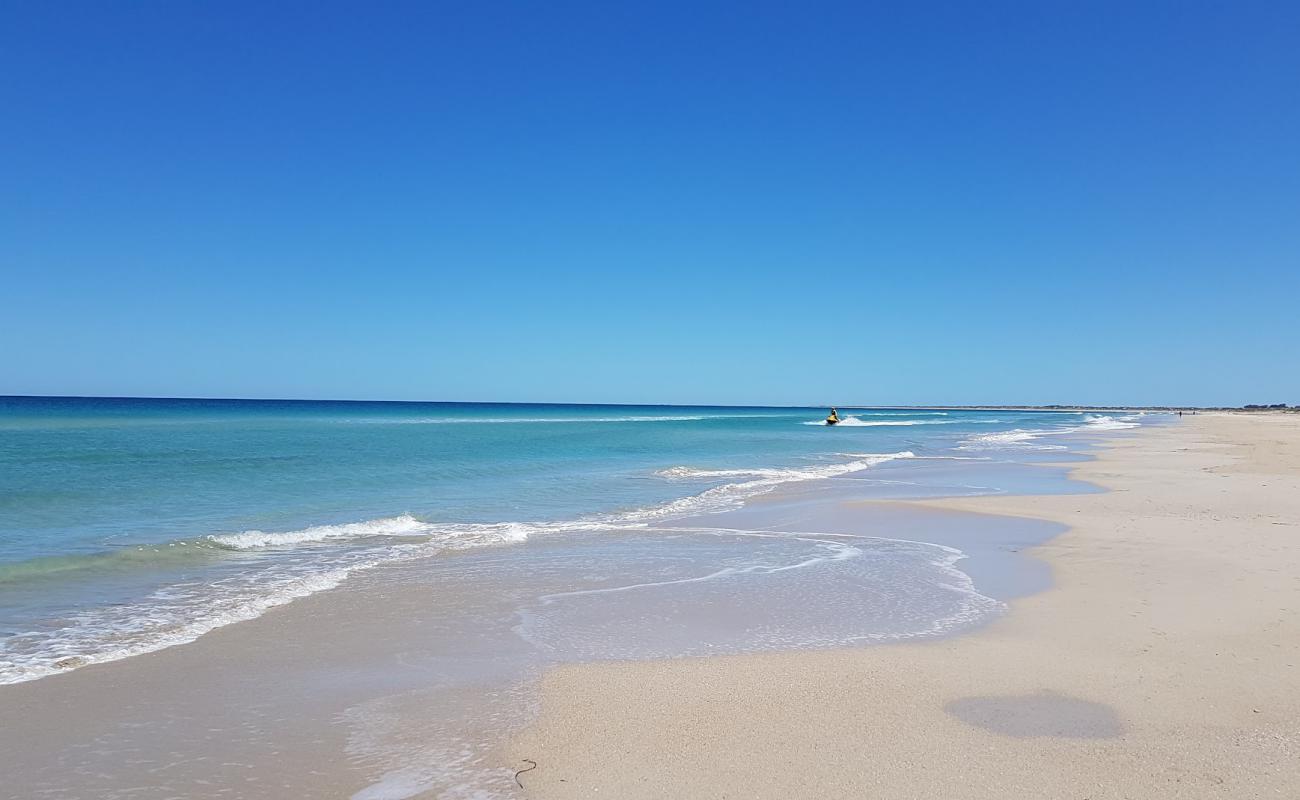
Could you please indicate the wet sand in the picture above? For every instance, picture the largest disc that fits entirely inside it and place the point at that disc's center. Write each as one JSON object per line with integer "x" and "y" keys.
{"x": 1165, "y": 662}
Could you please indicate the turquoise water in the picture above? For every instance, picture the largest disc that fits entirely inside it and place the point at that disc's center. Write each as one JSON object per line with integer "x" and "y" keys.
{"x": 130, "y": 525}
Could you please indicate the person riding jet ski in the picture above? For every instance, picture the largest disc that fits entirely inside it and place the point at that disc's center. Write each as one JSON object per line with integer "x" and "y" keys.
{"x": 834, "y": 418}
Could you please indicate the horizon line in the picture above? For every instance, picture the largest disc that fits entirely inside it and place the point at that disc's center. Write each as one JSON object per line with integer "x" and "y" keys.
{"x": 877, "y": 406}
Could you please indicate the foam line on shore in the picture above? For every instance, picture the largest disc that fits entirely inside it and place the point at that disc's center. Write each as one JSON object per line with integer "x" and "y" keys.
{"x": 840, "y": 552}
{"x": 975, "y": 605}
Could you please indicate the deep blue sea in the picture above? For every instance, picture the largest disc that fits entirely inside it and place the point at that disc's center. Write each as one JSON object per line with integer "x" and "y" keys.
{"x": 127, "y": 525}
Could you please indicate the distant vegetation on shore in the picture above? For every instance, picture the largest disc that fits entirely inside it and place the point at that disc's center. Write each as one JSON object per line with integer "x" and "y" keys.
{"x": 1251, "y": 407}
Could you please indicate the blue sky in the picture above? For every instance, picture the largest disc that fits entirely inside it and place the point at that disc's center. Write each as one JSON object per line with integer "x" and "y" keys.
{"x": 1028, "y": 202}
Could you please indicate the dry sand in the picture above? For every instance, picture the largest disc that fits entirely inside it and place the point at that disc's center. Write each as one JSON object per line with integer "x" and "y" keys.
{"x": 1165, "y": 662}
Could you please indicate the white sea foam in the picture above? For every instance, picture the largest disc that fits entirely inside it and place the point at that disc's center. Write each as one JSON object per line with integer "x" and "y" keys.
{"x": 924, "y": 458}
{"x": 856, "y": 421}
{"x": 1017, "y": 439}
{"x": 457, "y": 535}
{"x": 754, "y": 481}
{"x": 171, "y": 616}
{"x": 835, "y": 551}
{"x": 405, "y": 525}
{"x": 1099, "y": 422}
{"x": 860, "y": 461}
{"x": 857, "y": 583}
{"x": 1026, "y": 439}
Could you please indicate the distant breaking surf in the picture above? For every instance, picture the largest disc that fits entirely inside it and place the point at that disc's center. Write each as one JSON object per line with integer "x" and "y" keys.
{"x": 1026, "y": 438}
{"x": 854, "y": 421}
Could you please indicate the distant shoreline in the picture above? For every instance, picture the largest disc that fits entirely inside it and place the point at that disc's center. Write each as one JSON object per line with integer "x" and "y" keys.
{"x": 1078, "y": 409}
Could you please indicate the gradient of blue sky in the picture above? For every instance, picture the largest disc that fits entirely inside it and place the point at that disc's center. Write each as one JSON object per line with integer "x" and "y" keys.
{"x": 673, "y": 202}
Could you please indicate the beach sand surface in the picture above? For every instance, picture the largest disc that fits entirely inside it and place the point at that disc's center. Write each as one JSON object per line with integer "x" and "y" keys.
{"x": 1164, "y": 662}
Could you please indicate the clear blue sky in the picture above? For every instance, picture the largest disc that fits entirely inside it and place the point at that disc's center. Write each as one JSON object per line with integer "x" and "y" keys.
{"x": 742, "y": 203}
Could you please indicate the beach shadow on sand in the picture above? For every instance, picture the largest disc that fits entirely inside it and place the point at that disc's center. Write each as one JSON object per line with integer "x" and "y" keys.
{"x": 1046, "y": 714}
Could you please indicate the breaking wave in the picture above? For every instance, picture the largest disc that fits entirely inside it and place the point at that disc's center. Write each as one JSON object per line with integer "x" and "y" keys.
{"x": 1027, "y": 438}
{"x": 854, "y": 421}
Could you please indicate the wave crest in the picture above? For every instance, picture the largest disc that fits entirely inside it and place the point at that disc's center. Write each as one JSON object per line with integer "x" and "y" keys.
{"x": 404, "y": 525}
{"x": 860, "y": 461}
{"x": 1102, "y": 422}
{"x": 1026, "y": 438}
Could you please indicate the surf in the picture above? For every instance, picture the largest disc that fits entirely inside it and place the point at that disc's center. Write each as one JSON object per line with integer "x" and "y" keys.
{"x": 319, "y": 558}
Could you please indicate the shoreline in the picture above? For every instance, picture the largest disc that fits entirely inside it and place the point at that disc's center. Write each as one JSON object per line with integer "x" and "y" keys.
{"x": 426, "y": 679}
{"x": 400, "y": 682}
{"x": 1162, "y": 662}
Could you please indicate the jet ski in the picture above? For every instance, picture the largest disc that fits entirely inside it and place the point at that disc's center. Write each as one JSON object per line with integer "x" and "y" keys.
{"x": 833, "y": 418}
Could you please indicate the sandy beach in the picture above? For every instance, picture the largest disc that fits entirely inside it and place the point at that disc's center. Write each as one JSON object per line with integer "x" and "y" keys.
{"x": 1164, "y": 662}
{"x": 1149, "y": 648}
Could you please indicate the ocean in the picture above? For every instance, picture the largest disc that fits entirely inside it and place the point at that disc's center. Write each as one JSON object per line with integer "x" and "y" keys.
{"x": 132, "y": 525}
